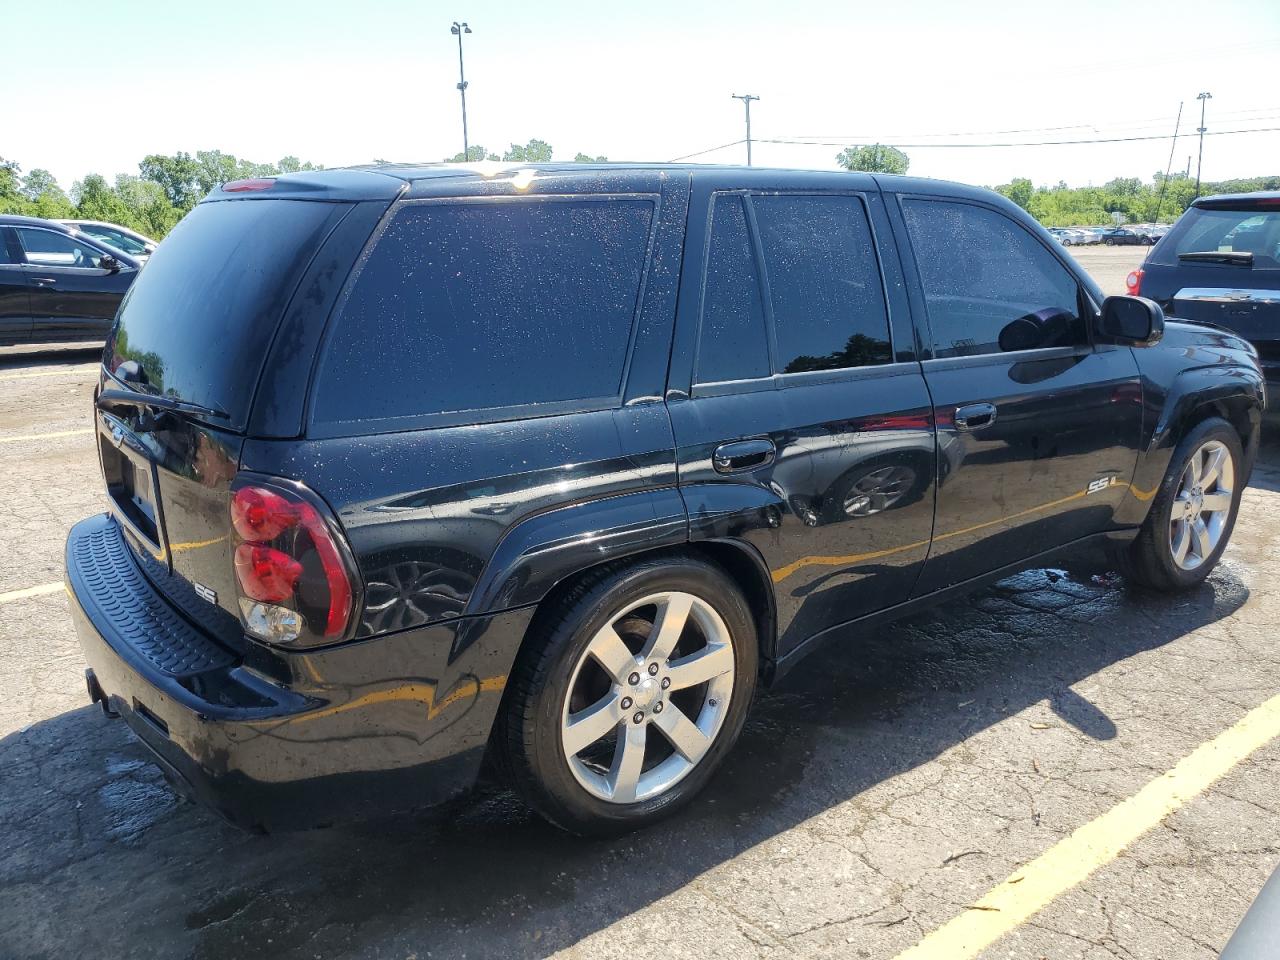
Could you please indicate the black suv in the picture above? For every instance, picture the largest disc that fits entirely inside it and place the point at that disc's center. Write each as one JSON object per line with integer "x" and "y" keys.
{"x": 419, "y": 471}
{"x": 1220, "y": 264}
{"x": 56, "y": 284}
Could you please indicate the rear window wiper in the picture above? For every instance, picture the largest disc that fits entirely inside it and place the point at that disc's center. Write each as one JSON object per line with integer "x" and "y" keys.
{"x": 132, "y": 398}
{"x": 1239, "y": 259}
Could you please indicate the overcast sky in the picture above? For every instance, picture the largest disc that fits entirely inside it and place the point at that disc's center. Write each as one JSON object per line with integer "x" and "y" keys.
{"x": 94, "y": 87}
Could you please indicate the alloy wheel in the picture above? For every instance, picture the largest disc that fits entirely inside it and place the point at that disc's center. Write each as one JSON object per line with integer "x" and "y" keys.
{"x": 648, "y": 697}
{"x": 1202, "y": 506}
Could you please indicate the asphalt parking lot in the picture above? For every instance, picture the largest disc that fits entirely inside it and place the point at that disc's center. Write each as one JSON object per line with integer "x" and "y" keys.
{"x": 991, "y": 772}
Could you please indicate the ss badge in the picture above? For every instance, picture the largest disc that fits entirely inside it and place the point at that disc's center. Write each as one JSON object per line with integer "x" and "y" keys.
{"x": 204, "y": 593}
{"x": 1100, "y": 484}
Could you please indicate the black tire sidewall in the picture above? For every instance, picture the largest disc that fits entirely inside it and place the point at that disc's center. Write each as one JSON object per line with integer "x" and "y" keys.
{"x": 558, "y": 795}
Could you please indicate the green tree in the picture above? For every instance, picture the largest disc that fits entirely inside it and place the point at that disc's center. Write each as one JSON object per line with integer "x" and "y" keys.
{"x": 475, "y": 153}
{"x": 177, "y": 176}
{"x": 586, "y": 158}
{"x": 95, "y": 200}
{"x": 535, "y": 151}
{"x": 876, "y": 158}
{"x": 1019, "y": 191}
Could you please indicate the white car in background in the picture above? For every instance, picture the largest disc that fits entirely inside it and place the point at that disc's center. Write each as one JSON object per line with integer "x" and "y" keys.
{"x": 135, "y": 244}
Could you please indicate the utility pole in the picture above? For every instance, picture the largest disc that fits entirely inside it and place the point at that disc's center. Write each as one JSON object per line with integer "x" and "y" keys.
{"x": 746, "y": 99}
{"x": 458, "y": 29}
{"x": 1203, "y": 98}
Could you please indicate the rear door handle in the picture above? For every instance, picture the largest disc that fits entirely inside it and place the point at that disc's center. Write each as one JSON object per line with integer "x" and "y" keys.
{"x": 44, "y": 281}
{"x": 975, "y": 416}
{"x": 739, "y": 455}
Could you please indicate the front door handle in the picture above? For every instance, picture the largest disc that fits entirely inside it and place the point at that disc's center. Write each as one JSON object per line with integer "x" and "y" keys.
{"x": 975, "y": 416}
{"x": 739, "y": 455}
{"x": 44, "y": 281}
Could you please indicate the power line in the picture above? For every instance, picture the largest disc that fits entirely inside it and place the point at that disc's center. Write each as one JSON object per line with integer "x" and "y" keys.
{"x": 700, "y": 153}
{"x": 1024, "y": 143}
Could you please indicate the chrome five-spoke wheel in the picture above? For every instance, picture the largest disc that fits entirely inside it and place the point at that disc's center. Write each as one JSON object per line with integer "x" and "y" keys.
{"x": 1202, "y": 505}
{"x": 647, "y": 697}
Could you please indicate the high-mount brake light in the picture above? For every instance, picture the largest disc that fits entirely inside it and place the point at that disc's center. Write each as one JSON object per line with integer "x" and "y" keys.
{"x": 296, "y": 586}
{"x": 1133, "y": 282}
{"x": 246, "y": 186}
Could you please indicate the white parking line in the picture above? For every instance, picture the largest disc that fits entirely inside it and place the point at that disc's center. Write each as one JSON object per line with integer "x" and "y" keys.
{"x": 45, "y": 373}
{"x": 43, "y": 590}
{"x": 45, "y": 436}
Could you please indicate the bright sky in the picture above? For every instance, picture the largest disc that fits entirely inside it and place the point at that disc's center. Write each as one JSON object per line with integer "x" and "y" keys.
{"x": 340, "y": 83}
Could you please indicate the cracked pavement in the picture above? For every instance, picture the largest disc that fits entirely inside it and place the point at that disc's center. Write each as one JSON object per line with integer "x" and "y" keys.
{"x": 883, "y": 789}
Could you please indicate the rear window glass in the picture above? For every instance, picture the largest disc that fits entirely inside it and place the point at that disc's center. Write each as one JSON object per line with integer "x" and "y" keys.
{"x": 733, "y": 344}
{"x": 824, "y": 283}
{"x": 471, "y": 306}
{"x": 203, "y": 311}
{"x": 1228, "y": 231}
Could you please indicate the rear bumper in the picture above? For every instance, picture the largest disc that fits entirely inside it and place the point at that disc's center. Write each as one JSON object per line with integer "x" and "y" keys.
{"x": 280, "y": 741}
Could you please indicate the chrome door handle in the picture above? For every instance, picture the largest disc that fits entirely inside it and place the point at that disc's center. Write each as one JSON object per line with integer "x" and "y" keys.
{"x": 739, "y": 455}
{"x": 975, "y": 416}
{"x": 44, "y": 281}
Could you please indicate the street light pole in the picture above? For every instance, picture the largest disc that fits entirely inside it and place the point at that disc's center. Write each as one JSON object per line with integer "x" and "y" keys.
{"x": 746, "y": 99}
{"x": 458, "y": 29}
{"x": 1203, "y": 97}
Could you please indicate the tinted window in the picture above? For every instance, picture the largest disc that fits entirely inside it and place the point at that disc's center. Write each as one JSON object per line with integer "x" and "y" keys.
{"x": 49, "y": 249}
{"x": 121, "y": 241}
{"x": 5, "y": 255}
{"x": 469, "y": 306}
{"x": 824, "y": 283}
{"x": 989, "y": 285}
{"x": 1234, "y": 231}
{"x": 733, "y": 344}
{"x": 201, "y": 315}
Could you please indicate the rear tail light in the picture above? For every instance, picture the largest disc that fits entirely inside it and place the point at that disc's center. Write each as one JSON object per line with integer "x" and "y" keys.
{"x": 1133, "y": 282}
{"x": 296, "y": 578}
{"x": 247, "y": 186}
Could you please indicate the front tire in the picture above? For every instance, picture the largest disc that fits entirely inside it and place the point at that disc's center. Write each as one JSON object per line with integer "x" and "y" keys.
{"x": 629, "y": 693}
{"x": 1193, "y": 513}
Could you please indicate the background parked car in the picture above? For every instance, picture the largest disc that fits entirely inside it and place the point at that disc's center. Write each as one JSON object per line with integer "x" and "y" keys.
{"x": 1126, "y": 236}
{"x": 1220, "y": 264}
{"x": 121, "y": 238}
{"x": 1068, "y": 238}
{"x": 56, "y": 284}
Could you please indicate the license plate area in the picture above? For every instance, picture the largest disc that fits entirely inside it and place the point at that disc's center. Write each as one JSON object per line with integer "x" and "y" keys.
{"x": 131, "y": 486}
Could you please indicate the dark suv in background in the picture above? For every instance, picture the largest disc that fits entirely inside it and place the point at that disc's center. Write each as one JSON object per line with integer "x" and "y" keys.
{"x": 1220, "y": 264}
{"x": 417, "y": 469}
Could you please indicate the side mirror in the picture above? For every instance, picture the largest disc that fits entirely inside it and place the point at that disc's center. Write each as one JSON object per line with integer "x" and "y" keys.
{"x": 110, "y": 263}
{"x": 1134, "y": 321}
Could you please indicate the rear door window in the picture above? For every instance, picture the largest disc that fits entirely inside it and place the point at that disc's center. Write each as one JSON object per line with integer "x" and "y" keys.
{"x": 464, "y": 309}
{"x": 828, "y": 301}
{"x": 732, "y": 344}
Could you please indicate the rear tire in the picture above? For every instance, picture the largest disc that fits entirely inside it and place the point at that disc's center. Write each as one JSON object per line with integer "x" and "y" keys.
{"x": 1193, "y": 513}
{"x": 629, "y": 693}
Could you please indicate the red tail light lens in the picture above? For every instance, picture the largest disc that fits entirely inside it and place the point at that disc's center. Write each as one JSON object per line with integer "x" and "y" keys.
{"x": 266, "y": 573}
{"x": 245, "y": 186}
{"x": 259, "y": 515}
{"x": 296, "y": 580}
{"x": 1133, "y": 283}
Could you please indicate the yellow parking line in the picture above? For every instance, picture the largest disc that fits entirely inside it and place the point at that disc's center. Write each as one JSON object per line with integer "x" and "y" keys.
{"x": 45, "y": 436}
{"x": 40, "y": 591}
{"x": 1097, "y": 843}
{"x": 45, "y": 373}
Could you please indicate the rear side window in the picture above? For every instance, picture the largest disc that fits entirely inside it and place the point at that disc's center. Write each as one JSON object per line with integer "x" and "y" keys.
{"x": 732, "y": 345}
{"x": 989, "y": 285}
{"x": 471, "y": 306}
{"x": 824, "y": 283}
{"x": 1205, "y": 230}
